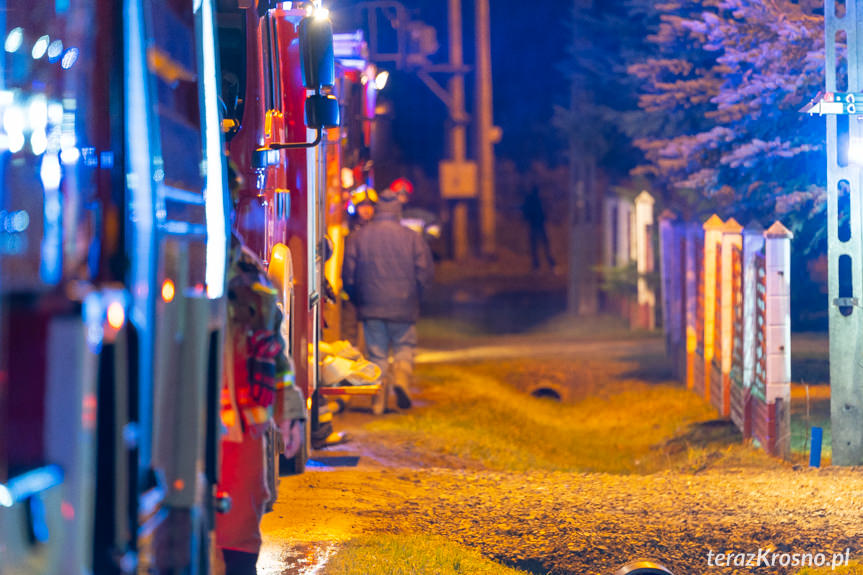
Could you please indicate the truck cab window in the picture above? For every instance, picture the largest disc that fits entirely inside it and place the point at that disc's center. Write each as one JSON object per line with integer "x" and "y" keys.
{"x": 232, "y": 53}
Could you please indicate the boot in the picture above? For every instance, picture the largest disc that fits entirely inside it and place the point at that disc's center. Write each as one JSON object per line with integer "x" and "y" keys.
{"x": 402, "y": 379}
{"x": 381, "y": 400}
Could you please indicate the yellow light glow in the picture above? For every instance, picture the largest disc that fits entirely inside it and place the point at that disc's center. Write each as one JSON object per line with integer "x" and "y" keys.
{"x": 116, "y": 315}
{"x": 381, "y": 79}
{"x": 168, "y": 291}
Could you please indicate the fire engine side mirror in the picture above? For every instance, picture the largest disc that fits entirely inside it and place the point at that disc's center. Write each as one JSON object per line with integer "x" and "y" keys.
{"x": 322, "y": 111}
{"x": 318, "y": 66}
{"x": 316, "y": 53}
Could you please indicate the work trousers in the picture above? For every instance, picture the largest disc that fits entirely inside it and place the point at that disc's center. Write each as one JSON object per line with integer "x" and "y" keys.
{"x": 243, "y": 476}
{"x": 383, "y": 336}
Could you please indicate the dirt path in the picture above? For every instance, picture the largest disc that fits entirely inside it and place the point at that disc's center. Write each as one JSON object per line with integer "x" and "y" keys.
{"x": 585, "y": 523}
{"x": 580, "y": 523}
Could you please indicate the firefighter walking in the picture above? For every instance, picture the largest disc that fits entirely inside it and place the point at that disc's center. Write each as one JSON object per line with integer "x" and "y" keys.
{"x": 387, "y": 267}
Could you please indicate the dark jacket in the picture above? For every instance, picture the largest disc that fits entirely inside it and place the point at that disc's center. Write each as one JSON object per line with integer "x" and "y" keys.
{"x": 387, "y": 266}
{"x": 532, "y": 210}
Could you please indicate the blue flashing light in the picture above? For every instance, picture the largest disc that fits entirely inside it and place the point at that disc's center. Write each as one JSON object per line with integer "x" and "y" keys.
{"x": 52, "y": 237}
{"x": 16, "y": 142}
{"x": 51, "y": 174}
{"x": 70, "y": 156}
{"x": 94, "y": 311}
{"x": 14, "y": 222}
{"x": 40, "y": 47}
{"x": 5, "y": 496}
{"x": 91, "y": 160}
{"x": 55, "y": 49}
{"x": 39, "y": 520}
{"x": 25, "y": 486}
{"x": 14, "y": 39}
{"x": 214, "y": 195}
{"x": 70, "y": 56}
{"x": 106, "y": 160}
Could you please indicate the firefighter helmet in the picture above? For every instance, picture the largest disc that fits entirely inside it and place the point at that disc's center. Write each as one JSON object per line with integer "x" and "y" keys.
{"x": 402, "y": 186}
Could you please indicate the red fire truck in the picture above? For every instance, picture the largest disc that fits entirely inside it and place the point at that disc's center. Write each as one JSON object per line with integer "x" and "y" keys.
{"x": 114, "y": 221}
{"x": 349, "y": 156}
{"x": 288, "y": 201}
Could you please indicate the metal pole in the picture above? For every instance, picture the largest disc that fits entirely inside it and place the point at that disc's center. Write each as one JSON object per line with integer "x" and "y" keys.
{"x": 485, "y": 146}
{"x": 457, "y": 130}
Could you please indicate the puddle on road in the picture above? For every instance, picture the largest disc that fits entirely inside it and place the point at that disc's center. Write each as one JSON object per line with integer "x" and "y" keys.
{"x": 300, "y": 559}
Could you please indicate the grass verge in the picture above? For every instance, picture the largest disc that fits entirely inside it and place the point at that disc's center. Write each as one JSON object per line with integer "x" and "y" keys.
{"x": 615, "y": 423}
{"x": 410, "y": 554}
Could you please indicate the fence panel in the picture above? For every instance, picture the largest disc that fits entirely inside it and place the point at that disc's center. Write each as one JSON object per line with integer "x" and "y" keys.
{"x": 699, "y": 317}
{"x": 678, "y": 314}
{"x": 759, "y": 382}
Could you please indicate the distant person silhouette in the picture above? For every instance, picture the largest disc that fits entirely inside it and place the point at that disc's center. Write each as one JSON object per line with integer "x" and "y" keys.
{"x": 534, "y": 215}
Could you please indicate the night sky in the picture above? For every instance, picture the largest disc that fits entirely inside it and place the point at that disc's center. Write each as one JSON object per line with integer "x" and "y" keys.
{"x": 528, "y": 45}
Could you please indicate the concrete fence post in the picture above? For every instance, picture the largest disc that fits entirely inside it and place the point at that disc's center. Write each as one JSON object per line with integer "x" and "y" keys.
{"x": 669, "y": 283}
{"x": 677, "y": 312}
{"x": 644, "y": 259}
{"x": 731, "y": 238}
{"x": 610, "y": 224}
{"x": 712, "y": 241}
{"x": 693, "y": 233}
{"x": 624, "y": 233}
{"x": 778, "y": 262}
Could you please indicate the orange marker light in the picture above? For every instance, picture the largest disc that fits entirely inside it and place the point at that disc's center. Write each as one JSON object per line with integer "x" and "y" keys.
{"x": 116, "y": 315}
{"x": 168, "y": 291}
{"x": 89, "y": 408}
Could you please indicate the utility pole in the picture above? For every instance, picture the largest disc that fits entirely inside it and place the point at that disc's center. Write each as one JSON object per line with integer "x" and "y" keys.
{"x": 458, "y": 121}
{"x": 486, "y": 133}
{"x": 844, "y": 241}
{"x": 584, "y": 233}
{"x": 585, "y": 205}
{"x": 458, "y": 176}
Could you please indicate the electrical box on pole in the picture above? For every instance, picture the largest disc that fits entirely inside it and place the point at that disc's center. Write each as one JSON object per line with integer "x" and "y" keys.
{"x": 457, "y": 180}
{"x": 845, "y": 243}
